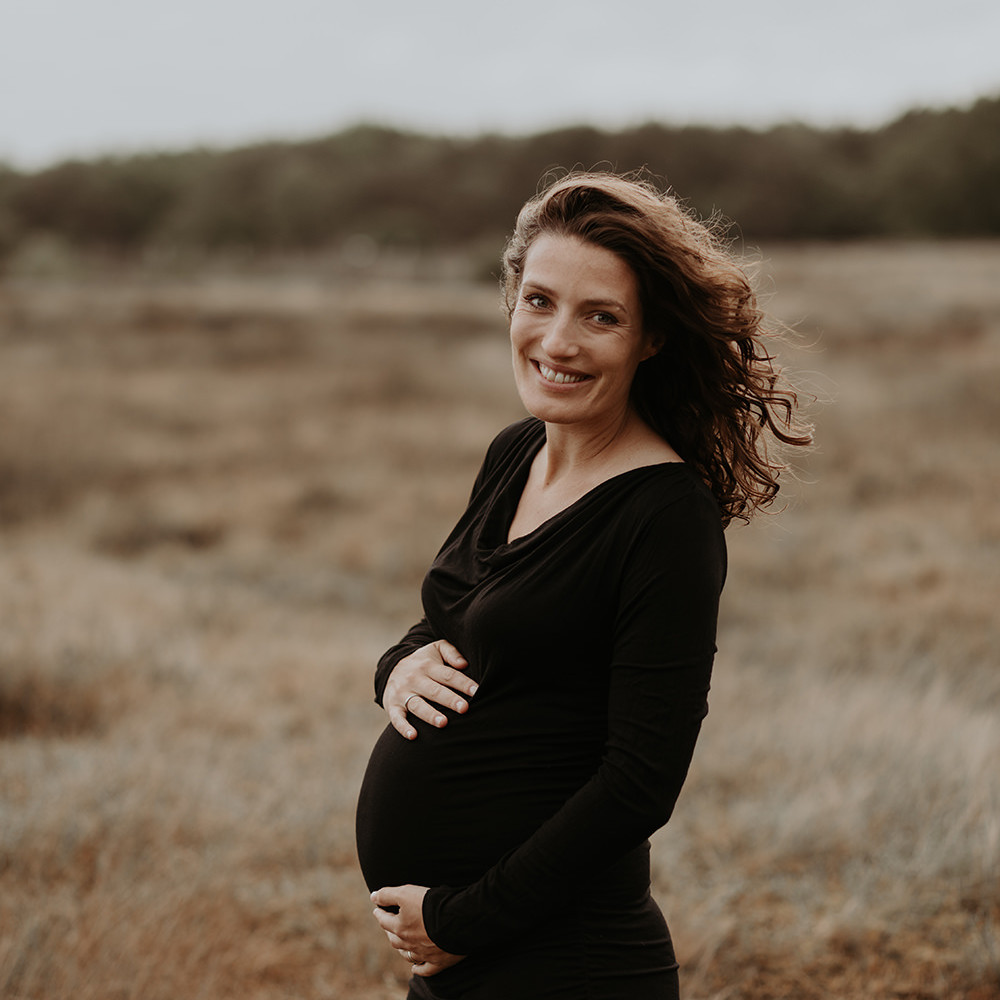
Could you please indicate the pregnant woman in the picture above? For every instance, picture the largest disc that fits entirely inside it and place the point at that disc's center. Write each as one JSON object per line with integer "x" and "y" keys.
{"x": 543, "y": 713}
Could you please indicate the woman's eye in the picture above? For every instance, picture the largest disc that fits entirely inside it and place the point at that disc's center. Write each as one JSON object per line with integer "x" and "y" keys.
{"x": 606, "y": 319}
{"x": 536, "y": 300}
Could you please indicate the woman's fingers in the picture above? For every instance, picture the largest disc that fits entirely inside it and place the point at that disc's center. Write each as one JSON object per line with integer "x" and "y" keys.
{"x": 419, "y": 708}
{"x": 399, "y": 912}
{"x": 446, "y": 668}
{"x": 453, "y": 677}
{"x": 422, "y": 708}
{"x": 450, "y": 654}
{"x": 399, "y": 721}
{"x": 387, "y": 896}
{"x": 441, "y": 693}
{"x": 430, "y": 696}
{"x": 426, "y": 969}
{"x": 423, "y": 683}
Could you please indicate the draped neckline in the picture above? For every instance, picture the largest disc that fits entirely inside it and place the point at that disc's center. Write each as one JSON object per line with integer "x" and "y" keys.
{"x": 492, "y": 541}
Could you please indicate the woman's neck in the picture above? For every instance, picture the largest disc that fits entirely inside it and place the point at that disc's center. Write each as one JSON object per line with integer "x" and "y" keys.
{"x": 574, "y": 452}
{"x": 573, "y": 460}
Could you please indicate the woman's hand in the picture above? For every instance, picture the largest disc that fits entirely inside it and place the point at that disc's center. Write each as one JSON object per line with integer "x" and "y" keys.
{"x": 430, "y": 676}
{"x": 405, "y": 929}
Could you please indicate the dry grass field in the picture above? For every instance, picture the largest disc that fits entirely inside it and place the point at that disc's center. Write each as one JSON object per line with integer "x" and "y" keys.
{"x": 218, "y": 494}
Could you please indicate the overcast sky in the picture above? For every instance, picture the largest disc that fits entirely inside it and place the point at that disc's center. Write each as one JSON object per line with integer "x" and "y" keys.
{"x": 81, "y": 77}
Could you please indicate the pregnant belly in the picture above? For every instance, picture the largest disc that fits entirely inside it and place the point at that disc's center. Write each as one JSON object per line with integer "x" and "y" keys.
{"x": 443, "y": 808}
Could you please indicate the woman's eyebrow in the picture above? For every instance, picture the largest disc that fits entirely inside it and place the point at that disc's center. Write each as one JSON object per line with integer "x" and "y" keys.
{"x": 606, "y": 303}
{"x": 536, "y": 286}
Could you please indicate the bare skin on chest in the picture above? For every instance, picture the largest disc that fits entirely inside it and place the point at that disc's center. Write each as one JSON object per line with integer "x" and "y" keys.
{"x": 540, "y": 502}
{"x": 544, "y": 497}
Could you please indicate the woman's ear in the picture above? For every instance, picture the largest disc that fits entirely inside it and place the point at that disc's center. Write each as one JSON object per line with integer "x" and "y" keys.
{"x": 654, "y": 341}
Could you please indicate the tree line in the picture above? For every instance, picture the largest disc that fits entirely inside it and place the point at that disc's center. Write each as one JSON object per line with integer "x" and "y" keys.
{"x": 929, "y": 173}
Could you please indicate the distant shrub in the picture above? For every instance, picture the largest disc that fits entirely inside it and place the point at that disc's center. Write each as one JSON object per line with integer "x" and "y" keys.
{"x": 929, "y": 173}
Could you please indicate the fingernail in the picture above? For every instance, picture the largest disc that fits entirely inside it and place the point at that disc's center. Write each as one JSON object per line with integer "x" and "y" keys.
{"x": 411, "y": 734}
{"x": 461, "y": 707}
{"x": 439, "y": 720}
{"x": 475, "y": 688}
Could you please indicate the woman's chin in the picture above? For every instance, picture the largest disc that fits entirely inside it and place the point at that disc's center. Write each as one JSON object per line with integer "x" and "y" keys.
{"x": 553, "y": 413}
{"x": 561, "y": 404}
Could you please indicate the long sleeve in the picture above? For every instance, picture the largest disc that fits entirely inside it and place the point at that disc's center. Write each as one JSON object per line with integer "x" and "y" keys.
{"x": 664, "y": 644}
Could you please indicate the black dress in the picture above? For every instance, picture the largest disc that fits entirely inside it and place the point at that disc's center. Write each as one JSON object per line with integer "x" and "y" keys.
{"x": 592, "y": 640}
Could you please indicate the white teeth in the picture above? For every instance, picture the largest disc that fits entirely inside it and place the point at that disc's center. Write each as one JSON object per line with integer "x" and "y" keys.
{"x": 559, "y": 377}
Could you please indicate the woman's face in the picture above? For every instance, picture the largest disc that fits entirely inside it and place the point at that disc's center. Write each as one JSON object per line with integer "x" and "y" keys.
{"x": 576, "y": 333}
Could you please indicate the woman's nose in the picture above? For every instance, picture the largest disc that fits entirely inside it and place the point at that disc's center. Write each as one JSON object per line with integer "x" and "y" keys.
{"x": 559, "y": 339}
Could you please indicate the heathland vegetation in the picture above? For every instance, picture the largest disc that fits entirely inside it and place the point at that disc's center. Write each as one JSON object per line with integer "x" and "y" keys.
{"x": 929, "y": 173}
{"x": 218, "y": 494}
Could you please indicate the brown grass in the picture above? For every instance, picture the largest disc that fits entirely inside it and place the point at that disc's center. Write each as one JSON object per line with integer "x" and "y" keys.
{"x": 217, "y": 498}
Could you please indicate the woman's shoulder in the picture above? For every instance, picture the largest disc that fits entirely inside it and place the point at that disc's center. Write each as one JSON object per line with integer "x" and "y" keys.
{"x": 671, "y": 497}
{"x": 517, "y": 433}
{"x": 513, "y": 440}
{"x": 508, "y": 448}
{"x": 671, "y": 519}
{"x": 663, "y": 486}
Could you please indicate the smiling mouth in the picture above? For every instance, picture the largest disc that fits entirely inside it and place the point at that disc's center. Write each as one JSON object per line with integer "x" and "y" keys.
{"x": 558, "y": 378}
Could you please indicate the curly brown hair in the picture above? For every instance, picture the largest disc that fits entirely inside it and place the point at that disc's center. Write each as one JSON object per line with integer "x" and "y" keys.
{"x": 712, "y": 390}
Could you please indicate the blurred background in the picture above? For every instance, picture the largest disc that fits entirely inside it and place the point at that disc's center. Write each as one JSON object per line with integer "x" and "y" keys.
{"x": 251, "y": 353}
